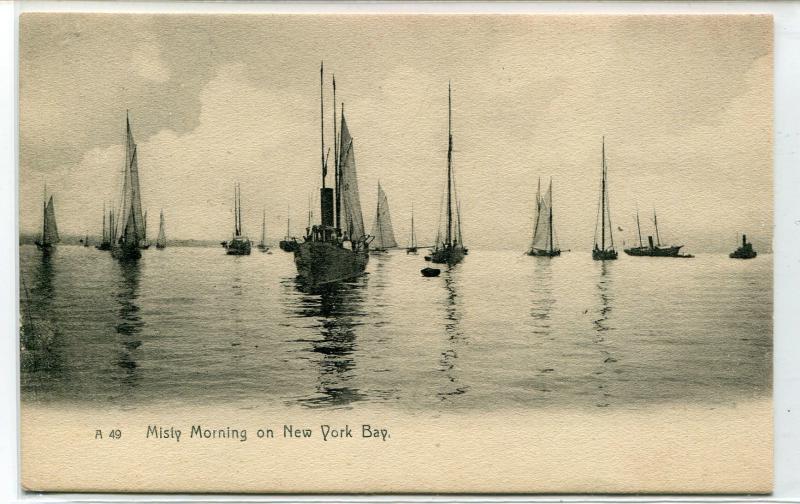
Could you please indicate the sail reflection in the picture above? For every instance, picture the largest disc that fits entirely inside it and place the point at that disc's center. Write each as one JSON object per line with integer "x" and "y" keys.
{"x": 337, "y": 309}
{"x": 129, "y": 323}
{"x": 39, "y": 332}
{"x": 455, "y": 338}
{"x": 542, "y": 297}
{"x": 606, "y": 359}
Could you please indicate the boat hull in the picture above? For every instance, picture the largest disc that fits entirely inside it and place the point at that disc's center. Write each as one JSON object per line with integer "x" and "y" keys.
{"x": 46, "y": 248}
{"x": 604, "y": 255}
{"x": 103, "y": 246}
{"x": 238, "y": 246}
{"x": 288, "y": 245}
{"x": 543, "y": 253}
{"x": 673, "y": 251}
{"x": 740, "y": 254}
{"x": 447, "y": 255}
{"x": 160, "y": 247}
{"x": 320, "y": 263}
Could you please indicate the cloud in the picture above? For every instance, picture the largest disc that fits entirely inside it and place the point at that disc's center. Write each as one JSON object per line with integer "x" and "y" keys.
{"x": 146, "y": 61}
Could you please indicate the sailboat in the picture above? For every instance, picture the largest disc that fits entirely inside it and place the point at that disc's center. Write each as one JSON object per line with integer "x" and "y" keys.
{"x": 262, "y": 246}
{"x": 543, "y": 243}
{"x": 412, "y": 246}
{"x": 746, "y": 251}
{"x": 49, "y": 236}
{"x": 653, "y": 249}
{"x": 161, "y": 240}
{"x": 289, "y": 243}
{"x": 337, "y": 248}
{"x": 382, "y": 230}
{"x": 105, "y": 240}
{"x": 239, "y": 244}
{"x": 604, "y": 251}
{"x": 131, "y": 236}
{"x": 145, "y": 242}
{"x": 86, "y": 240}
{"x": 449, "y": 248}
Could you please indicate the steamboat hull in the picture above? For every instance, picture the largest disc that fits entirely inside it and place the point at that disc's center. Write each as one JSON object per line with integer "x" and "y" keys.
{"x": 654, "y": 251}
{"x": 743, "y": 254}
{"x": 320, "y": 263}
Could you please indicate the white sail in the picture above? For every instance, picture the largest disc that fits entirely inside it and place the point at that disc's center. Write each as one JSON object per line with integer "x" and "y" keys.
{"x": 541, "y": 234}
{"x": 353, "y": 223}
{"x": 132, "y": 218}
{"x": 49, "y": 228}
{"x": 382, "y": 227}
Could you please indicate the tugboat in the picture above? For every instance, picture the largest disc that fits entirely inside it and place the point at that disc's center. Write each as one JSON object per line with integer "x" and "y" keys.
{"x": 449, "y": 249}
{"x": 239, "y": 244}
{"x": 603, "y": 252}
{"x": 49, "y": 237}
{"x": 653, "y": 249}
{"x": 337, "y": 249}
{"x": 543, "y": 244}
{"x": 746, "y": 251}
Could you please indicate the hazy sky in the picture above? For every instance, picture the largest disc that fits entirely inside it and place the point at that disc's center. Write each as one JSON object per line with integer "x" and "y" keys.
{"x": 685, "y": 104}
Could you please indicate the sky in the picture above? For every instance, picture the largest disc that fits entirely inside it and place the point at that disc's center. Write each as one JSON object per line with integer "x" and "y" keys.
{"x": 684, "y": 104}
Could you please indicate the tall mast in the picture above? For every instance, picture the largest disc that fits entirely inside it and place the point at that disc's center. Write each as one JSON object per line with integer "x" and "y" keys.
{"x": 550, "y": 217}
{"x": 288, "y": 218}
{"x": 336, "y": 180}
{"x": 639, "y": 228}
{"x": 413, "y": 238}
{"x": 240, "y": 209}
{"x": 322, "y": 126}
{"x": 449, "y": 165}
{"x": 105, "y": 237}
{"x": 655, "y": 222}
{"x": 603, "y": 199}
{"x": 44, "y": 212}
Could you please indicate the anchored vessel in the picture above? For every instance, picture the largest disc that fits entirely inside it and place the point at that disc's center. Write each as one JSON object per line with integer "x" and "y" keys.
{"x": 412, "y": 247}
{"x": 289, "y": 243}
{"x": 746, "y": 251}
{"x": 49, "y": 237}
{"x": 161, "y": 240}
{"x": 604, "y": 251}
{"x": 337, "y": 248}
{"x": 543, "y": 243}
{"x": 239, "y": 244}
{"x": 382, "y": 230}
{"x": 653, "y": 249}
{"x": 449, "y": 248}
{"x": 131, "y": 238}
{"x": 262, "y": 245}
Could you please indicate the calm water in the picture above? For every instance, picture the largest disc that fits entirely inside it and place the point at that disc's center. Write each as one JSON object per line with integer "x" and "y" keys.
{"x": 189, "y": 325}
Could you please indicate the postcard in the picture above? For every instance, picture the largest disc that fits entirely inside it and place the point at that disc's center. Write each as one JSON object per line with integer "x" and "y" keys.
{"x": 279, "y": 253}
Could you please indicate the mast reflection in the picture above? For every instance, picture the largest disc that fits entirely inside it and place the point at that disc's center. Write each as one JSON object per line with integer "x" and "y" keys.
{"x": 606, "y": 359}
{"x": 40, "y": 337}
{"x": 129, "y": 323}
{"x": 448, "y": 358}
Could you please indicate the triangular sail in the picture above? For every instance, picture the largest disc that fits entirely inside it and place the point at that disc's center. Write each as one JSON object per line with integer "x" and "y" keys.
{"x": 134, "y": 230}
{"x": 50, "y": 229}
{"x": 353, "y": 224}
{"x": 162, "y": 236}
{"x": 382, "y": 227}
{"x": 541, "y": 234}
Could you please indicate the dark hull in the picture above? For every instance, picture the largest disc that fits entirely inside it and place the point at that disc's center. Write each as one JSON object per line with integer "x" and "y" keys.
{"x": 604, "y": 255}
{"x": 430, "y": 272}
{"x": 411, "y": 250}
{"x": 103, "y": 246}
{"x": 46, "y": 248}
{"x": 160, "y": 247}
{"x": 543, "y": 253}
{"x": 288, "y": 245}
{"x": 448, "y": 255}
{"x": 238, "y": 246}
{"x": 673, "y": 251}
{"x": 320, "y": 263}
{"x": 126, "y": 252}
{"x": 743, "y": 254}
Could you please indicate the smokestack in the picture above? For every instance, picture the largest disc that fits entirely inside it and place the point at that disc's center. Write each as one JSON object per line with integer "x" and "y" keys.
{"x": 650, "y": 241}
{"x": 326, "y": 204}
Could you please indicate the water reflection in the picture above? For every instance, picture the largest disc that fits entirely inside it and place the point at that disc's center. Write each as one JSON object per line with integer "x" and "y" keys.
{"x": 448, "y": 358}
{"x": 40, "y": 337}
{"x": 338, "y": 310}
{"x": 542, "y": 296}
{"x": 606, "y": 362}
{"x": 129, "y": 323}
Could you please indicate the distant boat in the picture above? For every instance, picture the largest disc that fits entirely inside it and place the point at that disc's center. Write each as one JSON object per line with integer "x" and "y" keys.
{"x": 145, "y": 243}
{"x": 161, "y": 240}
{"x": 604, "y": 251}
{"x": 449, "y": 247}
{"x": 239, "y": 244}
{"x": 746, "y": 251}
{"x": 49, "y": 236}
{"x": 543, "y": 244}
{"x": 337, "y": 248}
{"x": 86, "y": 240}
{"x": 289, "y": 243}
{"x": 382, "y": 231}
{"x": 412, "y": 247}
{"x": 653, "y": 249}
{"x": 130, "y": 239}
{"x": 430, "y": 272}
{"x": 262, "y": 245}
{"x": 105, "y": 241}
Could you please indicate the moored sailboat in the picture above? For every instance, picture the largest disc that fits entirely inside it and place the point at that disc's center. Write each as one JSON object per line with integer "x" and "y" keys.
{"x": 128, "y": 241}
{"x": 543, "y": 242}
{"x": 48, "y": 238}
{"x": 653, "y": 249}
{"x": 604, "y": 251}
{"x": 239, "y": 244}
{"x": 412, "y": 246}
{"x": 161, "y": 240}
{"x": 337, "y": 248}
{"x": 382, "y": 230}
{"x": 449, "y": 248}
{"x": 262, "y": 245}
{"x": 289, "y": 243}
